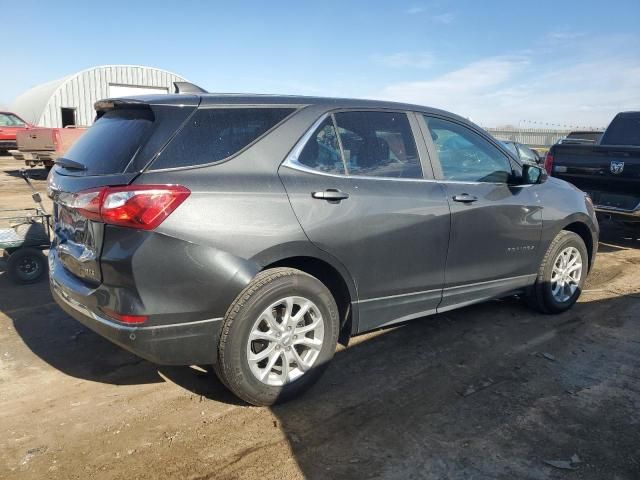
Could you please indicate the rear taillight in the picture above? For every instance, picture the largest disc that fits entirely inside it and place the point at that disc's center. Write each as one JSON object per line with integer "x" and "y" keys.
{"x": 548, "y": 163}
{"x": 88, "y": 202}
{"x": 136, "y": 206}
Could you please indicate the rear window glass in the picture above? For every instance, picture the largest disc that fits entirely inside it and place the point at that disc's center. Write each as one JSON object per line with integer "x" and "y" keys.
{"x": 590, "y": 136}
{"x": 624, "y": 130}
{"x": 217, "y": 133}
{"x": 109, "y": 145}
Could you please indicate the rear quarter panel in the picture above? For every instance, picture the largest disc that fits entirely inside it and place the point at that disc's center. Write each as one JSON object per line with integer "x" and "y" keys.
{"x": 239, "y": 215}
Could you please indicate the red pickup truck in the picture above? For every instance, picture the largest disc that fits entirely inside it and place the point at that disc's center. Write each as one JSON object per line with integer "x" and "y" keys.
{"x": 10, "y": 125}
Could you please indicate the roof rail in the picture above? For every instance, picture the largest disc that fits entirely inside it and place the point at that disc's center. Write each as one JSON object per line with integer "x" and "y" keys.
{"x": 187, "y": 87}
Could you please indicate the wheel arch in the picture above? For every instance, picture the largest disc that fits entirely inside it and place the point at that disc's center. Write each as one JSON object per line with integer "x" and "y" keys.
{"x": 336, "y": 278}
{"x": 582, "y": 229}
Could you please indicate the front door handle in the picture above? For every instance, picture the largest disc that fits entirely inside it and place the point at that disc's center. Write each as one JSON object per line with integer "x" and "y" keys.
{"x": 331, "y": 195}
{"x": 465, "y": 198}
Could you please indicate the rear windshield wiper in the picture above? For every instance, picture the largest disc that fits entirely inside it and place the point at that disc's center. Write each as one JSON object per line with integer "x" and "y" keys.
{"x": 70, "y": 164}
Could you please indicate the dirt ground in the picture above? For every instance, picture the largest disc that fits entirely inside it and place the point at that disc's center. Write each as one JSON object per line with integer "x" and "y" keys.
{"x": 490, "y": 391}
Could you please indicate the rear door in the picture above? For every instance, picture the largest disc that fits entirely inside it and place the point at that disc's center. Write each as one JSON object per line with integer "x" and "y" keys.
{"x": 364, "y": 193}
{"x": 495, "y": 226}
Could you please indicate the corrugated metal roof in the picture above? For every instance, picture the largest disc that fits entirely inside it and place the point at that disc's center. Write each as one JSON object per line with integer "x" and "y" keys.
{"x": 31, "y": 103}
{"x": 42, "y": 104}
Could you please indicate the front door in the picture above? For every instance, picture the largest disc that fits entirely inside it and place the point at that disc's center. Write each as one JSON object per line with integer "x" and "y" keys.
{"x": 495, "y": 226}
{"x": 357, "y": 187}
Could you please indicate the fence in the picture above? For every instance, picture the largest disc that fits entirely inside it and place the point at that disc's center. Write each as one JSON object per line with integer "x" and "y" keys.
{"x": 529, "y": 136}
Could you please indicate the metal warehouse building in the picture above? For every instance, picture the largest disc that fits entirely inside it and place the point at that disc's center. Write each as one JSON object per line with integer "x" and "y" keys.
{"x": 70, "y": 100}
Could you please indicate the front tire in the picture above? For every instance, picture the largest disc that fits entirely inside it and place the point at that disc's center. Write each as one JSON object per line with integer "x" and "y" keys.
{"x": 277, "y": 337}
{"x": 561, "y": 275}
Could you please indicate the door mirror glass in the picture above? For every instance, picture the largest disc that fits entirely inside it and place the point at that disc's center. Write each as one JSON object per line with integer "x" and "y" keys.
{"x": 532, "y": 174}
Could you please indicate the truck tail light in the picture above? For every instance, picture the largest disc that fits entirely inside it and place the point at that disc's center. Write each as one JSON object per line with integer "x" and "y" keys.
{"x": 548, "y": 163}
{"x": 142, "y": 207}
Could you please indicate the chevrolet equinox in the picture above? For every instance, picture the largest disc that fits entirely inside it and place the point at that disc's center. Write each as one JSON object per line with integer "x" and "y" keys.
{"x": 253, "y": 232}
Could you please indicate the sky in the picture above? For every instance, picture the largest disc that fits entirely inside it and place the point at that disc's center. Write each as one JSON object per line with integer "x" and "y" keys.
{"x": 574, "y": 63}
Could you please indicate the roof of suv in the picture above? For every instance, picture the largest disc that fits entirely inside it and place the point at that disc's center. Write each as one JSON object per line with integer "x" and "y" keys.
{"x": 267, "y": 99}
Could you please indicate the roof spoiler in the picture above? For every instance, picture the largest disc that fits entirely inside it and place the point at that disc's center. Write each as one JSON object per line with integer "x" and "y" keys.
{"x": 186, "y": 87}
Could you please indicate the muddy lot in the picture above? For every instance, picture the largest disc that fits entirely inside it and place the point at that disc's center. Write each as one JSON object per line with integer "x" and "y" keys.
{"x": 490, "y": 391}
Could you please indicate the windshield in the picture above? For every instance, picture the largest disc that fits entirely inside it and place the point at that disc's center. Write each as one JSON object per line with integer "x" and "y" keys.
{"x": 10, "y": 120}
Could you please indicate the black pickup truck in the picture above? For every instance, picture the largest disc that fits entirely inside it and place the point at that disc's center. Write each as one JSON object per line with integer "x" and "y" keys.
{"x": 608, "y": 171}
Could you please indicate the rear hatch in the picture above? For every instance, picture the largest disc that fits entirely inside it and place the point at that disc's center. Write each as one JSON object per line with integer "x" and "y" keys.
{"x": 125, "y": 138}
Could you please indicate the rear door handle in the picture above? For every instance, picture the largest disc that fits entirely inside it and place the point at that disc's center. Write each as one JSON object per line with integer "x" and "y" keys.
{"x": 465, "y": 198}
{"x": 331, "y": 195}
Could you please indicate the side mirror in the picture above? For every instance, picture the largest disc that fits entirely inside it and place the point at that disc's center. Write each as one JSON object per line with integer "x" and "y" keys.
{"x": 533, "y": 174}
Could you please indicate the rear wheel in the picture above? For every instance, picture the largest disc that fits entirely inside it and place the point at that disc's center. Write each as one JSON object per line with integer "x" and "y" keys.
{"x": 277, "y": 337}
{"x": 26, "y": 265}
{"x": 562, "y": 274}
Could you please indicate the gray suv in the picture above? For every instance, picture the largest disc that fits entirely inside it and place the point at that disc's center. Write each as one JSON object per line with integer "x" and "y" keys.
{"x": 255, "y": 232}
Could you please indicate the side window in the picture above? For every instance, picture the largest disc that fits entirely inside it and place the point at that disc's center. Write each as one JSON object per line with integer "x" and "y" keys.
{"x": 214, "y": 134}
{"x": 466, "y": 156}
{"x": 378, "y": 144}
{"x": 322, "y": 151}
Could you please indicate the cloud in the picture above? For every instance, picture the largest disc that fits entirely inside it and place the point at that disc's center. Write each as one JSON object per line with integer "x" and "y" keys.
{"x": 415, "y": 10}
{"x": 444, "y": 18}
{"x": 478, "y": 76}
{"x": 405, "y": 59}
{"x": 503, "y": 90}
{"x": 563, "y": 35}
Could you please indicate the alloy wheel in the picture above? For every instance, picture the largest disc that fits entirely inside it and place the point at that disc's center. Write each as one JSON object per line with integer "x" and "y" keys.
{"x": 566, "y": 274}
{"x": 285, "y": 341}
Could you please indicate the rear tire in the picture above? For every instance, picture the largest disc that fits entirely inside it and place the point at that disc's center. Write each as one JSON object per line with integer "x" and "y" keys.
{"x": 26, "y": 265}
{"x": 561, "y": 275}
{"x": 277, "y": 337}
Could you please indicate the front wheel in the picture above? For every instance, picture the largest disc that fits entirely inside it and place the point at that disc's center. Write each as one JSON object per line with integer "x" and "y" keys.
{"x": 562, "y": 274}
{"x": 277, "y": 337}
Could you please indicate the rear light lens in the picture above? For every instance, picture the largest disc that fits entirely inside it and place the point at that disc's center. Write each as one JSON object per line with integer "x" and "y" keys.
{"x": 548, "y": 163}
{"x": 88, "y": 202}
{"x": 136, "y": 206}
{"x": 125, "y": 318}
